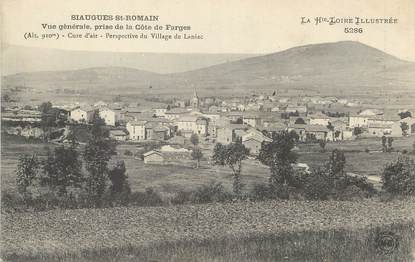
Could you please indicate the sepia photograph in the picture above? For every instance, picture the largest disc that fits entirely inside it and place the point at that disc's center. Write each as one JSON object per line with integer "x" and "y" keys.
{"x": 237, "y": 130}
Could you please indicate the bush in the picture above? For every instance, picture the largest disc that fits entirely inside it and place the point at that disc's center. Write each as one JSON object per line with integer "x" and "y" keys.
{"x": 213, "y": 192}
{"x": 322, "y": 185}
{"x": 128, "y": 153}
{"x": 116, "y": 199}
{"x": 362, "y": 183}
{"x": 261, "y": 192}
{"x": 12, "y": 202}
{"x": 317, "y": 186}
{"x": 182, "y": 197}
{"x": 352, "y": 192}
{"x": 147, "y": 198}
{"x": 399, "y": 177}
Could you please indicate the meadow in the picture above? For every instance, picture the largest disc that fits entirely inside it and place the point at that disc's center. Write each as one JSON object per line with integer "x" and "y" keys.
{"x": 168, "y": 179}
{"x": 242, "y": 231}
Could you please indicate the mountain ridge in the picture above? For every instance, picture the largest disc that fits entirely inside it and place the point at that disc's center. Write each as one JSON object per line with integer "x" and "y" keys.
{"x": 328, "y": 67}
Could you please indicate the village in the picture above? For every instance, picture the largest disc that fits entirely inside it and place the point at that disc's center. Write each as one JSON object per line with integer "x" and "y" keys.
{"x": 251, "y": 120}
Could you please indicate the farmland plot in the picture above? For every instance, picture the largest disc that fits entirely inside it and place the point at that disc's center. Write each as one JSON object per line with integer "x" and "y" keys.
{"x": 242, "y": 231}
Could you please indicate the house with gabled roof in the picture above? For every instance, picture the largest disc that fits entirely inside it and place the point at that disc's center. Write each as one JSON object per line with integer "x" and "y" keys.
{"x": 189, "y": 124}
{"x": 253, "y": 141}
{"x": 251, "y": 118}
{"x": 379, "y": 129}
{"x": 318, "y": 132}
{"x": 118, "y": 134}
{"x": 319, "y": 119}
{"x": 176, "y": 113}
{"x": 153, "y": 157}
{"x": 83, "y": 114}
{"x": 301, "y": 109}
{"x": 226, "y": 134}
{"x": 108, "y": 115}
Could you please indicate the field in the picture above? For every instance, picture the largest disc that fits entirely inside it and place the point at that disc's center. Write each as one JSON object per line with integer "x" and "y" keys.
{"x": 241, "y": 231}
{"x": 167, "y": 179}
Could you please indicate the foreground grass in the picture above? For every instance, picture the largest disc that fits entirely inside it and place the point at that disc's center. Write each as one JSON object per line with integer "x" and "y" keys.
{"x": 244, "y": 231}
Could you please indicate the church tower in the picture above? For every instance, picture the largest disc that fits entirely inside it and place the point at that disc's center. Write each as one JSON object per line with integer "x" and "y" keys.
{"x": 194, "y": 102}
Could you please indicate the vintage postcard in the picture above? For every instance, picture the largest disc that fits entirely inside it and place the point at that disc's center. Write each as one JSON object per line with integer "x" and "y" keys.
{"x": 190, "y": 130}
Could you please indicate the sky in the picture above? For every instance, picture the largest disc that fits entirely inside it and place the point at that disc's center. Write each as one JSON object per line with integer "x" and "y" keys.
{"x": 231, "y": 26}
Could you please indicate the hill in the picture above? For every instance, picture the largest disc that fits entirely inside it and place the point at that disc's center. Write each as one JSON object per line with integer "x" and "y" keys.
{"x": 324, "y": 67}
{"x": 330, "y": 68}
{"x": 18, "y": 59}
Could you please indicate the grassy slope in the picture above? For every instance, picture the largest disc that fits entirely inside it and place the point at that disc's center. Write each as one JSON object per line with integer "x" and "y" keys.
{"x": 245, "y": 231}
{"x": 170, "y": 178}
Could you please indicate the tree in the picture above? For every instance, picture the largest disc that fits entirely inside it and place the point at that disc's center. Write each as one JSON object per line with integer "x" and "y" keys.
{"x": 194, "y": 139}
{"x": 384, "y": 145}
{"x": 399, "y": 177}
{"x": 390, "y": 141}
{"x": 278, "y": 155}
{"x": 357, "y": 131}
{"x": 239, "y": 121}
{"x": 118, "y": 178}
{"x": 404, "y": 128}
{"x": 405, "y": 114}
{"x": 322, "y": 144}
{"x": 294, "y": 135}
{"x": 332, "y": 181}
{"x": 299, "y": 121}
{"x": 63, "y": 169}
{"x": 337, "y": 134}
{"x": 318, "y": 185}
{"x": 48, "y": 117}
{"x": 45, "y": 107}
{"x": 232, "y": 156}
{"x": 197, "y": 155}
{"x": 97, "y": 153}
{"x": 337, "y": 162}
{"x": 27, "y": 170}
{"x": 330, "y": 126}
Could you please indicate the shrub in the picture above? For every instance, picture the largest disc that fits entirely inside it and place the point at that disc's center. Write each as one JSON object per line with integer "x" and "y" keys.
{"x": 362, "y": 183}
{"x": 128, "y": 153}
{"x": 213, "y": 192}
{"x": 399, "y": 177}
{"x": 182, "y": 197}
{"x": 322, "y": 143}
{"x": 147, "y": 198}
{"x": 114, "y": 199}
{"x": 261, "y": 192}
{"x": 317, "y": 186}
{"x": 11, "y": 202}
{"x": 351, "y": 192}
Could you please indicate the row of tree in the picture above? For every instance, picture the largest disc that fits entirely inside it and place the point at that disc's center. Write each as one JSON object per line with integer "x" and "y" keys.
{"x": 61, "y": 173}
{"x": 329, "y": 181}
